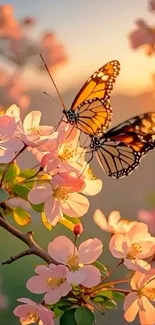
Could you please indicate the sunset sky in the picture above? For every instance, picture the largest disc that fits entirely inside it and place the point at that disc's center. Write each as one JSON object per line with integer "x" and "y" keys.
{"x": 93, "y": 33}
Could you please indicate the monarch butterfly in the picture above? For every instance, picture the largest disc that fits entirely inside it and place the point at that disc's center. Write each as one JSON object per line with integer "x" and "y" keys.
{"x": 120, "y": 150}
{"x": 91, "y": 110}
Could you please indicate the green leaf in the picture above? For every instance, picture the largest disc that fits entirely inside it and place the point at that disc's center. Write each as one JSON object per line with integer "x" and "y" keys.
{"x": 75, "y": 221}
{"x": 22, "y": 217}
{"x": 21, "y": 190}
{"x": 37, "y": 207}
{"x": 101, "y": 267}
{"x": 110, "y": 304}
{"x": 68, "y": 318}
{"x": 106, "y": 294}
{"x": 26, "y": 173}
{"x": 84, "y": 316}
{"x": 99, "y": 299}
{"x": 57, "y": 311}
{"x": 118, "y": 295}
{"x": 3, "y": 195}
{"x": 12, "y": 172}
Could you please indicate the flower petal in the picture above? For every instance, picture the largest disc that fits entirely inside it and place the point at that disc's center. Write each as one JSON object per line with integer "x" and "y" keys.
{"x": 52, "y": 296}
{"x": 45, "y": 315}
{"x": 92, "y": 187}
{"x": 76, "y": 277}
{"x": 131, "y": 306}
{"x": 40, "y": 194}
{"x": 52, "y": 211}
{"x": 92, "y": 276}
{"x": 61, "y": 248}
{"x": 32, "y": 120}
{"x": 101, "y": 220}
{"x": 90, "y": 250}
{"x": 37, "y": 284}
{"x": 146, "y": 312}
{"x": 76, "y": 205}
{"x": 116, "y": 246}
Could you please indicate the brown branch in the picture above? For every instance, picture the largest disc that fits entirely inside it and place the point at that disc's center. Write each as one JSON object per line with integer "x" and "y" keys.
{"x": 28, "y": 239}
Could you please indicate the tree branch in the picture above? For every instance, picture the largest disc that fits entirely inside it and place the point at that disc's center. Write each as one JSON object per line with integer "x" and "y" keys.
{"x": 28, "y": 239}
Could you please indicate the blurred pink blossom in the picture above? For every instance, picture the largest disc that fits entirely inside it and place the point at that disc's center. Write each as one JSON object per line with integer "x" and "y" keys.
{"x": 114, "y": 224}
{"x": 30, "y": 312}
{"x": 134, "y": 247}
{"x": 143, "y": 35}
{"x": 152, "y": 5}
{"x": 147, "y": 217}
{"x": 50, "y": 280}
{"x": 78, "y": 260}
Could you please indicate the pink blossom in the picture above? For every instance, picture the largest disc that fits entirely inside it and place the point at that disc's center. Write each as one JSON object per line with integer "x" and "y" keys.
{"x": 114, "y": 224}
{"x": 139, "y": 300}
{"x": 142, "y": 35}
{"x": 78, "y": 260}
{"x": 60, "y": 196}
{"x": 51, "y": 280}
{"x": 8, "y": 143}
{"x": 32, "y": 133}
{"x": 134, "y": 247}
{"x": 93, "y": 185}
{"x": 30, "y": 312}
{"x": 148, "y": 217}
{"x": 152, "y": 5}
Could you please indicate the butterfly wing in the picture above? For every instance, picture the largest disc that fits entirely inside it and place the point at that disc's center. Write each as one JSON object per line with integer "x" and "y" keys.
{"x": 92, "y": 102}
{"x": 123, "y": 147}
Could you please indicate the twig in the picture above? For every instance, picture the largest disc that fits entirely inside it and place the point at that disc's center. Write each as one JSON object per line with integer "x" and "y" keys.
{"x": 17, "y": 257}
{"x": 28, "y": 239}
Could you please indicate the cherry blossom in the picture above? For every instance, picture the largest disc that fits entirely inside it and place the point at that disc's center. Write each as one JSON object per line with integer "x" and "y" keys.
{"x": 60, "y": 196}
{"x": 139, "y": 300}
{"x": 143, "y": 35}
{"x": 79, "y": 260}
{"x": 31, "y": 312}
{"x": 32, "y": 134}
{"x": 51, "y": 280}
{"x": 114, "y": 224}
{"x": 134, "y": 246}
{"x": 152, "y": 5}
{"x": 8, "y": 143}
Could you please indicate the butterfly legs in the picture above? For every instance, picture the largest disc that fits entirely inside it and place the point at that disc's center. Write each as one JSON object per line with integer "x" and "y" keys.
{"x": 87, "y": 163}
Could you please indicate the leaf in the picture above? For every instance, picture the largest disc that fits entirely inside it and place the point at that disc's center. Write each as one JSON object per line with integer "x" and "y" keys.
{"x": 110, "y": 304}
{"x": 68, "y": 318}
{"x": 4, "y": 195}
{"x": 26, "y": 173}
{"x": 37, "y": 207}
{"x": 12, "y": 172}
{"x": 45, "y": 222}
{"x": 107, "y": 294}
{"x": 84, "y": 316}
{"x": 22, "y": 217}
{"x": 101, "y": 267}
{"x": 118, "y": 295}
{"x": 99, "y": 299}
{"x": 75, "y": 221}
{"x": 57, "y": 311}
{"x": 21, "y": 190}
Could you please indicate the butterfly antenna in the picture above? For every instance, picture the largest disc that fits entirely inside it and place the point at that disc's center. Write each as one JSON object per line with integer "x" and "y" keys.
{"x": 51, "y": 97}
{"x": 63, "y": 105}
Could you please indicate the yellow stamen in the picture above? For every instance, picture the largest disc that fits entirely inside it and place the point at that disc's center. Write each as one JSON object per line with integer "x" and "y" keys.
{"x": 135, "y": 249}
{"x": 148, "y": 292}
{"x": 66, "y": 153}
{"x": 35, "y": 131}
{"x": 60, "y": 194}
{"x": 54, "y": 282}
{"x": 32, "y": 316}
{"x": 73, "y": 263}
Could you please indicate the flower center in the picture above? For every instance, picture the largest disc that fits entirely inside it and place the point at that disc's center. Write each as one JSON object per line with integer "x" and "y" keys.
{"x": 60, "y": 193}
{"x": 73, "y": 262}
{"x": 54, "y": 282}
{"x": 36, "y": 131}
{"x": 32, "y": 316}
{"x": 67, "y": 153}
{"x": 135, "y": 249}
{"x": 148, "y": 292}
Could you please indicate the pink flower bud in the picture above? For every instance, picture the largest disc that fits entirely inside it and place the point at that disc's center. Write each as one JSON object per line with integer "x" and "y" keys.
{"x": 78, "y": 229}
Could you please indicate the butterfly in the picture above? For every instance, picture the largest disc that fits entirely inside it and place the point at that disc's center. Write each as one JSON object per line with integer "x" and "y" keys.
{"x": 120, "y": 149}
{"x": 91, "y": 109}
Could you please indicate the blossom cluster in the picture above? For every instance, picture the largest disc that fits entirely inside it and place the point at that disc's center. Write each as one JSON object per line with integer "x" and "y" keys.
{"x": 144, "y": 34}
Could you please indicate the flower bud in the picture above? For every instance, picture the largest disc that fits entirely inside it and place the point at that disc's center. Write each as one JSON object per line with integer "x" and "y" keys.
{"x": 78, "y": 229}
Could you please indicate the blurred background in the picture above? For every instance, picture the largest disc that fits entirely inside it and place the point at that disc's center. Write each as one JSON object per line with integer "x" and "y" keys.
{"x": 75, "y": 39}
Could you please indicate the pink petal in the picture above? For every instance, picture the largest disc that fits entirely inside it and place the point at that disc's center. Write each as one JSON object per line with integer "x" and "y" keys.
{"x": 52, "y": 211}
{"x": 65, "y": 288}
{"x": 147, "y": 248}
{"x": 45, "y": 129}
{"x": 37, "y": 284}
{"x": 146, "y": 312}
{"x": 136, "y": 233}
{"x": 13, "y": 111}
{"x": 42, "y": 270}
{"x": 32, "y": 120}
{"x": 23, "y": 310}
{"x": 13, "y": 144}
{"x": 92, "y": 187}
{"x": 116, "y": 246}
{"x": 92, "y": 276}
{"x": 40, "y": 194}
{"x": 113, "y": 219}
{"x": 69, "y": 182}
{"x": 27, "y": 301}
{"x": 6, "y": 155}
{"x": 76, "y": 277}
{"x": 45, "y": 315}
{"x": 58, "y": 271}
{"x": 137, "y": 265}
{"x": 52, "y": 296}
{"x": 90, "y": 250}
{"x": 61, "y": 248}
{"x": 131, "y": 306}
{"x": 101, "y": 220}
{"x": 76, "y": 205}
{"x": 137, "y": 280}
